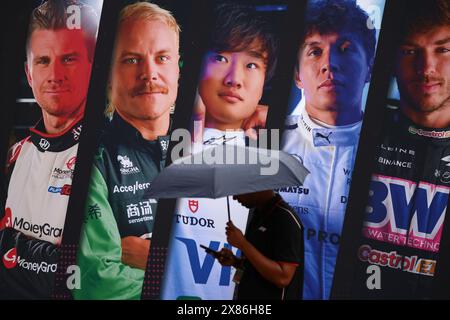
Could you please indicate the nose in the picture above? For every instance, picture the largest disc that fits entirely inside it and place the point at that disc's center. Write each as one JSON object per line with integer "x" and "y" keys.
{"x": 56, "y": 72}
{"x": 329, "y": 61}
{"x": 426, "y": 64}
{"x": 234, "y": 76}
{"x": 148, "y": 71}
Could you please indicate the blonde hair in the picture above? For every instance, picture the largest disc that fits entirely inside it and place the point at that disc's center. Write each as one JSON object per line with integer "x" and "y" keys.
{"x": 151, "y": 12}
{"x": 146, "y": 11}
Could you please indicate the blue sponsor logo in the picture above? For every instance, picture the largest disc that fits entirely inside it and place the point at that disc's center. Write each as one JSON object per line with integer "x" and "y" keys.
{"x": 201, "y": 270}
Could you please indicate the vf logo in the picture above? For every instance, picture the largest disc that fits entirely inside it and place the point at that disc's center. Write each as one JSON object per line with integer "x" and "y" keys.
{"x": 201, "y": 270}
{"x": 193, "y": 205}
{"x": 10, "y": 258}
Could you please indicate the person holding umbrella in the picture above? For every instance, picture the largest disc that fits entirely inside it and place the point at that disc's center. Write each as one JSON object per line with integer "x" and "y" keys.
{"x": 272, "y": 262}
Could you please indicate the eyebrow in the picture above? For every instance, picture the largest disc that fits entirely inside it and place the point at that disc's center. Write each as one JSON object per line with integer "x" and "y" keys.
{"x": 443, "y": 41}
{"x": 437, "y": 43}
{"x": 310, "y": 44}
{"x": 74, "y": 53}
{"x": 129, "y": 53}
{"x": 132, "y": 53}
{"x": 257, "y": 54}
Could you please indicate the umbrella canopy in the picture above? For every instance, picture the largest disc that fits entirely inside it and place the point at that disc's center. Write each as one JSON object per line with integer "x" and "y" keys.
{"x": 224, "y": 170}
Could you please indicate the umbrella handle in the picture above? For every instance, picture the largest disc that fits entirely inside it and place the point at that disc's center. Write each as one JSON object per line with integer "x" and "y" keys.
{"x": 228, "y": 207}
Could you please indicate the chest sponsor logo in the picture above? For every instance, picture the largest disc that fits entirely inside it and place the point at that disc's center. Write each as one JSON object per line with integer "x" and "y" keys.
{"x": 131, "y": 188}
{"x": 393, "y": 260}
{"x": 202, "y": 265}
{"x": 429, "y": 133}
{"x": 38, "y": 229}
{"x": 64, "y": 190}
{"x": 140, "y": 212}
{"x": 399, "y": 150}
{"x": 44, "y": 144}
{"x": 11, "y": 260}
{"x": 323, "y": 236}
{"x": 298, "y": 190}
{"x": 405, "y": 213}
{"x": 65, "y": 173}
{"x": 127, "y": 166}
{"x": 194, "y": 221}
{"x": 193, "y": 205}
{"x": 395, "y": 163}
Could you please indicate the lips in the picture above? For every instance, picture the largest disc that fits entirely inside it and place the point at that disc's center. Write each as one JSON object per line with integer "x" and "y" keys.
{"x": 142, "y": 93}
{"x": 329, "y": 84}
{"x": 429, "y": 87}
{"x": 56, "y": 91}
{"x": 230, "y": 96}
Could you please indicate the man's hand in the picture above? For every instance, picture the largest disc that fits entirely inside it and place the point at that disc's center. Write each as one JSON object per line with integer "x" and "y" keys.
{"x": 234, "y": 235}
{"x": 255, "y": 121}
{"x": 135, "y": 252}
{"x": 226, "y": 257}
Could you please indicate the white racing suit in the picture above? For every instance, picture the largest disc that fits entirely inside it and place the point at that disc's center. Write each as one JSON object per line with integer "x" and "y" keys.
{"x": 329, "y": 154}
{"x": 190, "y": 272}
{"x": 31, "y": 228}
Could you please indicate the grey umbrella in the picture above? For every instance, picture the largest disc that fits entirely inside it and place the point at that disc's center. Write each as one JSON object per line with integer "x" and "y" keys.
{"x": 223, "y": 170}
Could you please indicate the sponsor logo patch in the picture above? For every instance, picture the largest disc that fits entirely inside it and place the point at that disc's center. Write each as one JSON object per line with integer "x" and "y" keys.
{"x": 131, "y": 188}
{"x": 393, "y": 260}
{"x": 9, "y": 259}
{"x": 44, "y": 144}
{"x": 406, "y": 213}
{"x": 64, "y": 190}
{"x": 127, "y": 165}
{"x": 193, "y": 205}
{"x": 429, "y": 134}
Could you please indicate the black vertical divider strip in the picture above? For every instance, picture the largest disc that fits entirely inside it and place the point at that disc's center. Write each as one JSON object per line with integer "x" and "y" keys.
{"x": 287, "y": 59}
{"x": 93, "y": 121}
{"x": 195, "y": 32}
{"x": 11, "y": 66}
{"x": 370, "y": 134}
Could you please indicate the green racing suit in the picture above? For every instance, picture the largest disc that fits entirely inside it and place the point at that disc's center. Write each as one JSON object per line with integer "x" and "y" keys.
{"x": 116, "y": 207}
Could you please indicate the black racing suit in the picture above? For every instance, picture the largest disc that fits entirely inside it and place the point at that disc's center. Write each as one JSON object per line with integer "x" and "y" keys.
{"x": 404, "y": 217}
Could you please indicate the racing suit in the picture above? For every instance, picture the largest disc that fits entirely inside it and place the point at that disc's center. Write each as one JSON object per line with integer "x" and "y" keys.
{"x": 190, "y": 272}
{"x": 408, "y": 197}
{"x": 117, "y": 206}
{"x": 41, "y": 167}
{"x": 329, "y": 154}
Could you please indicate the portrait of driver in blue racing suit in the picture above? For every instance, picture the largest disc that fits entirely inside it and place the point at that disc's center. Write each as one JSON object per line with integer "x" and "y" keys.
{"x": 334, "y": 64}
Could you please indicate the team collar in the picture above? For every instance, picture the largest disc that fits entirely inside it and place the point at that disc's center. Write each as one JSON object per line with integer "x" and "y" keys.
{"x": 323, "y": 136}
{"x": 126, "y": 131}
{"x": 56, "y": 142}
